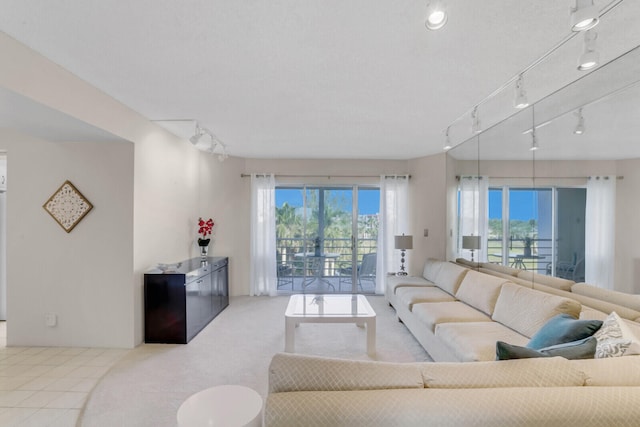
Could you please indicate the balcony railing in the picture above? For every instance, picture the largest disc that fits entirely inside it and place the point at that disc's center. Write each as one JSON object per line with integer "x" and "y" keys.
{"x": 297, "y": 272}
{"x": 538, "y": 260}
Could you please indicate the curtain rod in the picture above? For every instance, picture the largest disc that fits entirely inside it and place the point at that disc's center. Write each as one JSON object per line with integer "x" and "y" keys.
{"x": 248, "y": 175}
{"x": 458, "y": 177}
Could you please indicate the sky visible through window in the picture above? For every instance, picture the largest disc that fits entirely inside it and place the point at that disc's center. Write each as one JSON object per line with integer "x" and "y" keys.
{"x": 522, "y": 204}
{"x": 368, "y": 200}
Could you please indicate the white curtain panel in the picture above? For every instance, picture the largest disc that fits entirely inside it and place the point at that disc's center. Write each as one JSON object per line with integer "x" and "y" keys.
{"x": 474, "y": 214}
{"x": 599, "y": 260}
{"x": 394, "y": 191}
{"x": 263, "y": 236}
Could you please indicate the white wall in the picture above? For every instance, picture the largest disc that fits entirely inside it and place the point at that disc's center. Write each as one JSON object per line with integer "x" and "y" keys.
{"x": 83, "y": 276}
{"x": 167, "y": 194}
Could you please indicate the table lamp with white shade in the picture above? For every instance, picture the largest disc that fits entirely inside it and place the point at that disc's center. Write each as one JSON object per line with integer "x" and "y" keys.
{"x": 403, "y": 243}
{"x": 472, "y": 243}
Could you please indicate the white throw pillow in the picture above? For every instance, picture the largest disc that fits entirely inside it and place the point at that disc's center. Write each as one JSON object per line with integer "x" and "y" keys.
{"x": 615, "y": 339}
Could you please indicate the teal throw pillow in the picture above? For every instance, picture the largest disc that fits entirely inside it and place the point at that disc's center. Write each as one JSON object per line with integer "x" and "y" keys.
{"x": 580, "y": 349}
{"x": 561, "y": 329}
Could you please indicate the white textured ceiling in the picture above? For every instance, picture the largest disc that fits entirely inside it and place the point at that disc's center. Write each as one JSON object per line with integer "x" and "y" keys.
{"x": 314, "y": 79}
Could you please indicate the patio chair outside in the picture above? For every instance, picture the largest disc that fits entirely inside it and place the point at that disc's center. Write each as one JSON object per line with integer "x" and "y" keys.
{"x": 365, "y": 271}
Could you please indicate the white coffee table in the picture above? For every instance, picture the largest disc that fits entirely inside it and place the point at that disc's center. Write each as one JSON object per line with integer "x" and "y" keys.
{"x": 223, "y": 405}
{"x": 331, "y": 308}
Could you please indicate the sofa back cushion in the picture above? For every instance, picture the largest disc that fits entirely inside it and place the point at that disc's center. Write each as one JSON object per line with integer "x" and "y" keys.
{"x": 431, "y": 269}
{"x": 543, "y": 372}
{"x": 526, "y": 310}
{"x": 295, "y": 372}
{"x": 500, "y": 268}
{"x": 480, "y": 290}
{"x": 554, "y": 282}
{"x": 603, "y": 306}
{"x": 469, "y": 264}
{"x": 449, "y": 277}
{"x": 615, "y": 297}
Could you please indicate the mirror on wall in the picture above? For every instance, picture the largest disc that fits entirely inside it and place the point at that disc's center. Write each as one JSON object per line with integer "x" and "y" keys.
{"x": 543, "y": 210}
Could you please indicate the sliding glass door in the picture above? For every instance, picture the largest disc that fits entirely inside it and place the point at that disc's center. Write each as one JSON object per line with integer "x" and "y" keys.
{"x": 326, "y": 238}
{"x": 538, "y": 229}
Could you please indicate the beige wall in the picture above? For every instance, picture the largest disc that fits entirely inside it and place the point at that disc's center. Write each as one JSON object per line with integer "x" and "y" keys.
{"x": 627, "y": 278}
{"x": 427, "y": 196}
{"x": 84, "y": 276}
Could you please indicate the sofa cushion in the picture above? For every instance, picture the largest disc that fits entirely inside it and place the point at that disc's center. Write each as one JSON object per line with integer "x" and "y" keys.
{"x": 501, "y": 268}
{"x": 547, "y": 372}
{"x": 434, "y": 313}
{"x": 554, "y": 282}
{"x": 469, "y": 264}
{"x": 409, "y": 296}
{"x": 604, "y": 306}
{"x": 580, "y": 349}
{"x": 615, "y": 297}
{"x": 526, "y": 310}
{"x": 476, "y": 341}
{"x": 431, "y": 268}
{"x": 480, "y": 290}
{"x": 612, "y": 371}
{"x": 394, "y": 282}
{"x": 295, "y": 372}
{"x": 449, "y": 277}
{"x": 562, "y": 329}
{"x": 616, "y": 339}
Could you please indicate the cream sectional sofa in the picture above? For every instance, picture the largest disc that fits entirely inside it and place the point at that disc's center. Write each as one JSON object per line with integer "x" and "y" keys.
{"x": 312, "y": 391}
{"x": 458, "y": 314}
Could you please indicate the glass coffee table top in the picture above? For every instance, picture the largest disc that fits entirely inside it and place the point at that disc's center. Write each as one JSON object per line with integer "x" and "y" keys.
{"x": 332, "y": 305}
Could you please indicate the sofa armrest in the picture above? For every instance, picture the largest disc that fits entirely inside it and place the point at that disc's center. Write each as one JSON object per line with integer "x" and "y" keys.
{"x": 293, "y": 372}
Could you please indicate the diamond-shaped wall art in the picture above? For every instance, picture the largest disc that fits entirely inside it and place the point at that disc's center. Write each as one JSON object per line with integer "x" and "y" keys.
{"x": 67, "y": 206}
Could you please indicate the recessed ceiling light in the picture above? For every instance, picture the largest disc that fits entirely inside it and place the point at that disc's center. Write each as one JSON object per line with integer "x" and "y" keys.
{"x": 436, "y": 16}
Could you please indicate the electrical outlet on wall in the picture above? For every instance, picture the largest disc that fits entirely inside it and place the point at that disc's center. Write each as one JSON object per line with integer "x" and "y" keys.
{"x": 51, "y": 319}
{"x": 426, "y": 232}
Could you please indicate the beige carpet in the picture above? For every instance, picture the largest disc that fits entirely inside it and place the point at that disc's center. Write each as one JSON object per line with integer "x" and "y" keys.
{"x": 148, "y": 385}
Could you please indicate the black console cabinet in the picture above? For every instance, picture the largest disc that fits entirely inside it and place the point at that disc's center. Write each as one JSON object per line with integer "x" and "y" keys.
{"x": 180, "y": 303}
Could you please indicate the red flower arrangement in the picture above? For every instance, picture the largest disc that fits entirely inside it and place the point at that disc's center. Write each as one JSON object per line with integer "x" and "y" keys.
{"x": 204, "y": 230}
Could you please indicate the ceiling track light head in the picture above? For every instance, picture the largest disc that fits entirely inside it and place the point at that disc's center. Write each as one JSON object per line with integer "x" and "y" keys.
{"x": 447, "y": 143}
{"x": 534, "y": 141}
{"x": 520, "y": 100}
{"x": 584, "y": 16}
{"x": 436, "y": 16}
{"x": 579, "y": 130}
{"x": 475, "y": 121}
{"x": 590, "y": 56}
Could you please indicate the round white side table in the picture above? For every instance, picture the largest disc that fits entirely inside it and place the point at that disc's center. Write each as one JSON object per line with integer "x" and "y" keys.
{"x": 224, "y": 405}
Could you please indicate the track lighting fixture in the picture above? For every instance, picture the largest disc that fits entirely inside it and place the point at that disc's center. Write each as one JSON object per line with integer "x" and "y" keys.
{"x": 584, "y": 16}
{"x": 475, "y": 121}
{"x": 204, "y": 140}
{"x": 579, "y": 130}
{"x": 590, "y": 57}
{"x": 521, "y": 95}
{"x": 436, "y": 15}
{"x": 447, "y": 143}
{"x": 534, "y": 140}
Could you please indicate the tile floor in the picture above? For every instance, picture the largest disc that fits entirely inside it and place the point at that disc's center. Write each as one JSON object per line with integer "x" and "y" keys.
{"x": 48, "y": 386}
